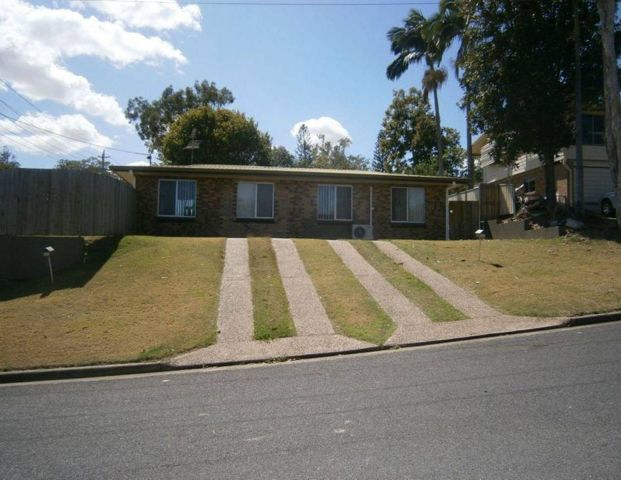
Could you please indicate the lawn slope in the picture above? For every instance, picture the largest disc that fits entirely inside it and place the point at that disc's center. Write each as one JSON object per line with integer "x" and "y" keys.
{"x": 146, "y": 298}
{"x": 544, "y": 278}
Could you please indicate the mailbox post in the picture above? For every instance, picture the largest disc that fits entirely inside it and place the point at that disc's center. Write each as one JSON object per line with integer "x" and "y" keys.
{"x": 480, "y": 235}
{"x": 47, "y": 252}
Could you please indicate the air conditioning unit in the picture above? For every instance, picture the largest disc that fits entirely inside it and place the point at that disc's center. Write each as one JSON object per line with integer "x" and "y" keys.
{"x": 362, "y": 232}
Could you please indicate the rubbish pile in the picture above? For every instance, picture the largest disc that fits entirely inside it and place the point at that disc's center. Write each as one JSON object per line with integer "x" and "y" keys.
{"x": 532, "y": 209}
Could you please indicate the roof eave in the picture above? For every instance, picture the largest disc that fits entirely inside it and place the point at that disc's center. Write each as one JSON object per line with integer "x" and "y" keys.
{"x": 285, "y": 173}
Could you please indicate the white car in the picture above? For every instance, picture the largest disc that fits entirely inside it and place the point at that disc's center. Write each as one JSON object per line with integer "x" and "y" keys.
{"x": 609, "y": 204}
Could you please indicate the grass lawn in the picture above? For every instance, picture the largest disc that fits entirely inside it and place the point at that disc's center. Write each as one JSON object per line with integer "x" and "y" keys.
{"x": 145, "y": 298}
{"x": 555, "y": 277}
{"x": 436, "y": 308}
{"x": 272, "y": 318}
{"x": 347, "y": 303}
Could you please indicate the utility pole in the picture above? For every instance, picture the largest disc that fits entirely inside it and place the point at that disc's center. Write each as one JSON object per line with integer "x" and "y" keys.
{"x": 103, "y": 160}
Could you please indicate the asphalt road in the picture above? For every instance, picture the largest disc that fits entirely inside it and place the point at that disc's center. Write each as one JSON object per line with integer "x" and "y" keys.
{"x": 545, "y": 405}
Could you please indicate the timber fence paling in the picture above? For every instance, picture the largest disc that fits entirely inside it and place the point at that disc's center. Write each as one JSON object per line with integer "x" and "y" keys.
{"x": 64, "y": 202}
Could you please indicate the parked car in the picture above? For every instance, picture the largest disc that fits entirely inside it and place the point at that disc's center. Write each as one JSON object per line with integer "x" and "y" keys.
{"x": 609, "y": 204}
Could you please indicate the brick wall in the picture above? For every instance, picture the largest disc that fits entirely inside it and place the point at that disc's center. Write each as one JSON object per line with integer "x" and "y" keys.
{"x": 295, "y": 211}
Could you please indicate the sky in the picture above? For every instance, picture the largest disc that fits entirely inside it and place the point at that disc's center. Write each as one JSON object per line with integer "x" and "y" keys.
{"x": 68, "y": 67}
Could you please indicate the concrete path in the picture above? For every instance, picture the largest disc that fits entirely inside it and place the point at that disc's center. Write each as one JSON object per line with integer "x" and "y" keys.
{"x": 461, "y": 299}
{"x": 235, "y": 312}
{"x": 308, "y": 314}
{"x": 290, "y": 347}
{"x": 407, "y": 316}
{"x": 315, "y": 331}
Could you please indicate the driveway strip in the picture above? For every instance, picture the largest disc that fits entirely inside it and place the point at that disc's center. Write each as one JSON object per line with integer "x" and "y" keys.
{"x": 407, "y": 316}
{"x": 468, "y": 303}
{"x": 309, "y": 316}
{"x": 235, "y": 312}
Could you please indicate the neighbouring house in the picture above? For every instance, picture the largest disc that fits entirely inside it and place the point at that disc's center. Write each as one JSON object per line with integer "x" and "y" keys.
{"x": 236, "y": 201}
{"x": 527, "y": 172}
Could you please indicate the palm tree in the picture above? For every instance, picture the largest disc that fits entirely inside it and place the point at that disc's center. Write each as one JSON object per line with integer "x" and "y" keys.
{"x": 412, "y": 44}
{"x": 446, "y": 26}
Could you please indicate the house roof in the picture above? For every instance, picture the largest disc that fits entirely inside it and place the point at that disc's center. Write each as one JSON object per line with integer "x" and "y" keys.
{"x": 479, "y": 143}
{"x": 128, "y": 172}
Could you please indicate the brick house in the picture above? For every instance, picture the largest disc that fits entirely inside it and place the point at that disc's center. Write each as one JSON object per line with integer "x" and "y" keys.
{"x": 237, "y": 201}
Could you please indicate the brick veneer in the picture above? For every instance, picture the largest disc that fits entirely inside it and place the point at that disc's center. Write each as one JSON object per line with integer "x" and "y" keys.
{"x": 294, "y": 211}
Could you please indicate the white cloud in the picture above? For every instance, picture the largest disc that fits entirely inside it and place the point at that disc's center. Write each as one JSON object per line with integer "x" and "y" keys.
{"x": 25, "y": 138}
{"x": 35, "y": 40}
{"x": 330, "y": 128}
{"x": 158, "y": 16}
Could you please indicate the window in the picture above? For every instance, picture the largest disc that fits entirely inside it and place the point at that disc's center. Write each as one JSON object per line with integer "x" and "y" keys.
{"x": 334, "y": 202}
{"x": 408, "y": 204}
{"x": 255, "y": 200}
{"x": 593, "y": 129}
{"x": 176, "y": 198}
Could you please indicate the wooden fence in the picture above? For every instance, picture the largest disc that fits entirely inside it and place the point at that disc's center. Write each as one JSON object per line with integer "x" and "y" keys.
{"x": 495, "y": 199}
{"x": 64, "y": 202}
{"x": 463, "y": 220}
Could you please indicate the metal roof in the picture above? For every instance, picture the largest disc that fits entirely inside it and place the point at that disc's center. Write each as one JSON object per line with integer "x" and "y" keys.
{"x": 246, "y": 170}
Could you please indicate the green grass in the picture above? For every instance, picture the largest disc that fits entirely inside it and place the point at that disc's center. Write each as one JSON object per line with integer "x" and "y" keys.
{"x": 347, "y": 303}
{"x": 272, "y": 318}
{"x": 137, "y": 299}
{"x": 544, "y": 278}
{"x": 437, "y": 309}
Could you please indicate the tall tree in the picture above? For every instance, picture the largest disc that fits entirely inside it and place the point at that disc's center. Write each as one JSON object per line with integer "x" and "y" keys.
{"x": 222, "y": 137}
{"x": 412, "y": 44}
{"x": 303, "y": 149}
{"x": 334, "y": 156}
{"x": 406, "y": 142}
{"x": 92, "y": 164}
{"x": 153, "y": 119}
{"x": 447, "y": 26}
{"x": 7, "y": 159}
{"x": 281, "y": 157}
{"x": 579, "y": 175}
{"x": 519, "y": 77}
{"x": 326, "y": 154}
{"x": 607, "y": 9}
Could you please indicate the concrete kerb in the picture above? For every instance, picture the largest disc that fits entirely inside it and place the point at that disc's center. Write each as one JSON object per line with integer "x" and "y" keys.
{"x": 47, "y": 374}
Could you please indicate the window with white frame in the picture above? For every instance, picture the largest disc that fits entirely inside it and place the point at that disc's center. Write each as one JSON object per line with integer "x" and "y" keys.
{"x": 408, "y": 204}
{"x": 334, "y": 202}
{"x": 255, "y": 200}
{"x": 176, "y": 198}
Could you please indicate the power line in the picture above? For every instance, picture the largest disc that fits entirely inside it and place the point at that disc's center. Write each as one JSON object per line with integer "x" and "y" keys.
{"x": 274, "y": 3}
{"x": 48, "y": 141}
{"x": 74, "y": 139}
{"x": 8, "y": 85}
{"x": 24, "y": 143}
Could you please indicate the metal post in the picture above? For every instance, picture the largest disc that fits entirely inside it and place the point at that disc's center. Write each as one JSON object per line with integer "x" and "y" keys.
{"x": 49, "y": 263}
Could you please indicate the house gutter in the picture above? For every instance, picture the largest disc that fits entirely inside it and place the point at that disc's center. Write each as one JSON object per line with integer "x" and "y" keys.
{"x": 446, "y": 210}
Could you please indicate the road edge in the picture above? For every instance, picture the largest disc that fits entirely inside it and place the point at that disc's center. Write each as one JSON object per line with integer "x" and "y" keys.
{"x": 67, "y": 373}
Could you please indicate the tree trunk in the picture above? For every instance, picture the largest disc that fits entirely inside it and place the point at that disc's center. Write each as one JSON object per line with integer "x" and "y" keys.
{"x": 548, "y": 166}
{"x": 606, "y": 9}
{"x": 469, "y": 147}
{"x": 436, "y": 105}
{"x": 579, "y": 177}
